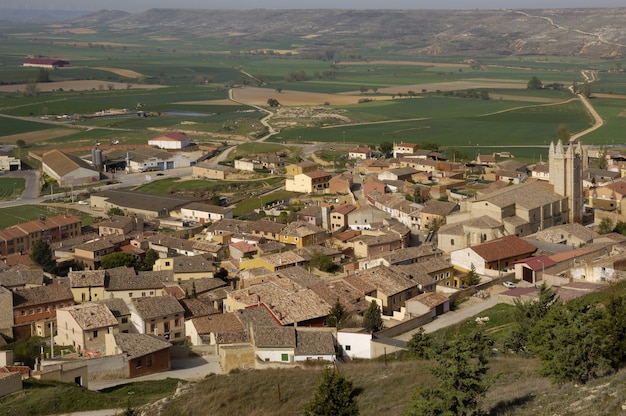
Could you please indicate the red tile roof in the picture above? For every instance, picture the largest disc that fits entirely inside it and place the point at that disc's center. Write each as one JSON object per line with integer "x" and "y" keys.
{"x": 502, "y": 248}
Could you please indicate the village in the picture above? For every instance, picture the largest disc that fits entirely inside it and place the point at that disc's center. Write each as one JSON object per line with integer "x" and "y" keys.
{"x": 376, "y": 251}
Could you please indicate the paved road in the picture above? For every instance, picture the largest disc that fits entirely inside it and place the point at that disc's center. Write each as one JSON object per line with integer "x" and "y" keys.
{"x": 465, "y": 311}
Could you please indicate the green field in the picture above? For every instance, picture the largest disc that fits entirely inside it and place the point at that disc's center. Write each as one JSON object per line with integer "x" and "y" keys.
{"x": 24, "y": 213}
{"x": 11, "y": 188}
{"x": 194, "y": 72}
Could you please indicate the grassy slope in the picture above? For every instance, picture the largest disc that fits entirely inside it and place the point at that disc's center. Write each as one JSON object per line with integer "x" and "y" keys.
{"x": 515, "y": 389}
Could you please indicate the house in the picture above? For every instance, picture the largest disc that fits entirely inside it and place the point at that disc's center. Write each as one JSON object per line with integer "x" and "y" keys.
{"x": 315, "y": 181}
{"x": 392, "y": 289}
{"x": 242, "y": 249}
{"x": 211, "y": 171}
{"x": 144, "y": 354}
{"x": 339, "y": 217}
{"x": 398, "y": 174}
{"x": 21, "y": 237}
{"x": 485, "y": 160}
{"x": 593, "y": 177}
{"x": 171, "y": 141}
{"x": 186, "y": 267}
{"x": 6, "y": 314}
{"x": 274, "y": 344}
{"x": 67, "y": 169}
{"x": 340, "y": 184}
{"x": 299, "y": 168}
{"x": 21, "y": 276}
{"x": 120, "y": 225}
{"x": 573, "y": 235}
{"x": 540, "y": 171}
{"x": 124, "y": 283}
{"x": 499, "y": 254}
{"x": 360, "y": 153}
{"x": 273, "y": 262}
{"x": 401, "y": 256}
{"x": 248, "y": 165}
{"x": 301, "y": 234}
{"x": 314, "y": 345}
{"x": 369, "y": 245}
{"x": 354, "y": 343}
{"x": 429, "y": 303}
{"x": 373, "y": 186}
{"x": 531, "y": 270}
{"x": 90, "y": 254}
{"x": 400, "y": 149}
{"x": 216, "y": 329}
{"x": 205, "y": 213}
{"x": 121, "y": 312}
{"x": 610, "y": 197}
{"x": 163, "y": 316}
{"x": 34, "y": 309}
{"x": 290, "y": 305}
{"x": 84, "y": 326}
{"x": 364, "y": 217}
{"x": 312, "y": 214}
{"x": 434, "y": 213}
{"x": 87, "y": 285}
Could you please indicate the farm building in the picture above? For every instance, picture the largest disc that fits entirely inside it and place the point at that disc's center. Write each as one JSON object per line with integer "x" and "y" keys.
{"x": 211, "y": 171}
{"x": 170, "y": 141}
{"x": 10, "y": 163}
{"x": 141, "y": 204}
{"x": 145, "y": 159}
{"x": 68, "y": 169}
{"x": 204, "y": 213}
{"x": 45, "y": 63}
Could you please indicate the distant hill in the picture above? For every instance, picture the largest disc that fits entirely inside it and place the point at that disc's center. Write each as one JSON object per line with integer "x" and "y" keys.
{"x": 39, "y": 16}
{"x": 593, "y": 33}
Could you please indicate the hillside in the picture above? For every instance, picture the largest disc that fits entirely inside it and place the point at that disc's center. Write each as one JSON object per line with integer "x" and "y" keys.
{"x": 515, "y": 389}
{"x": 589, "y": 33}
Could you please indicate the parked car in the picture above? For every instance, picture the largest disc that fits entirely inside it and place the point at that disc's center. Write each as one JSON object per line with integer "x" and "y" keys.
{"x": 508, "y": 284}
{"x": 83, "y": 202}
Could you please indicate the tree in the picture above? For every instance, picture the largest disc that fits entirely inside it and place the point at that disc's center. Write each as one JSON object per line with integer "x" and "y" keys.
{"x": 373, "y": 318}
{"x": 570, "y": 342}
{"x": 471, "y": 278}
{"x": 336, "y": 315}
{"x": 386, "y": 148}
{"x": 459, "y": 372}
{"x": 562, "y": 133}
{"x": 148, "y": 261}
{"x": 323, "y": 262}
{"x": 118, "y": 259}
{"x": 527, "y": 315}
{"x": 419, "y": 345}
{"x": 273, "y": 102}
{"x": 334, "y": 396}
{"x": 534, "y": 84}
{"x": 42, "y": 75}
{"x": 41, "y": 254}
{"x": 606, "y": 226}
{"x": 31, "y": 90}
{"x": 115, "y": 211}
{"x": 20, "y": 143}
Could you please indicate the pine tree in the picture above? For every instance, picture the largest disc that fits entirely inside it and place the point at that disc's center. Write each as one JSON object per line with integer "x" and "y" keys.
{"x": 41, "y": 254}
{"x": 334, "y": 396}
{"x": 419, "y": 344}
{"x": 336, "y": 315}
{"x": 373, "y": 318}
{"x": 460, "y": 371}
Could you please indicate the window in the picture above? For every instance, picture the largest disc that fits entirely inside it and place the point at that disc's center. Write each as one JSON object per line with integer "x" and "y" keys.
{"x": 31, "y": 312}
{"x": 95, "y": 334}
{"x": 167, "y": 263}
{"x": 124, "y": 320}
{"x": 138, "y": 363}
{"x": 23, "y": 312}
{"x": 143, "y": 294}
{"x": 149, "y": 360}
{"x": 47, "y": 308}
{"x": 39, "y": 309}
{"x": 452, "y": 241}
{"x": 177, "y": 335}
{"x": 177, "y": 322}
{"x": 130, "y": 294}
{"x": 348, "y": 347}
{"x": 284, "y": 357}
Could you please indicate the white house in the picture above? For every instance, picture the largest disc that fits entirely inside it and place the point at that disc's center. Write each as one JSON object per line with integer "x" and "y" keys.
{"x": 360, "y": 152}
{"x": 314, "y": 344}
{"x": 355, "y": 343}
{"x": 203, "y": 213}
{"x": 170, "y": 140}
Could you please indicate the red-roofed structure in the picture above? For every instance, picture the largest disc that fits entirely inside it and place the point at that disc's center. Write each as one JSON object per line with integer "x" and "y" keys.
{"x": 45, "y": 63}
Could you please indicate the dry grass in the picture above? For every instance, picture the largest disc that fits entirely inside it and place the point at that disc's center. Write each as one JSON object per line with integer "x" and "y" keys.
{"x": 515, "y": 389}
{"x": 84, "y": 85}
{"x": 38, "y": 136}
{"x": 128, "y": 73}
